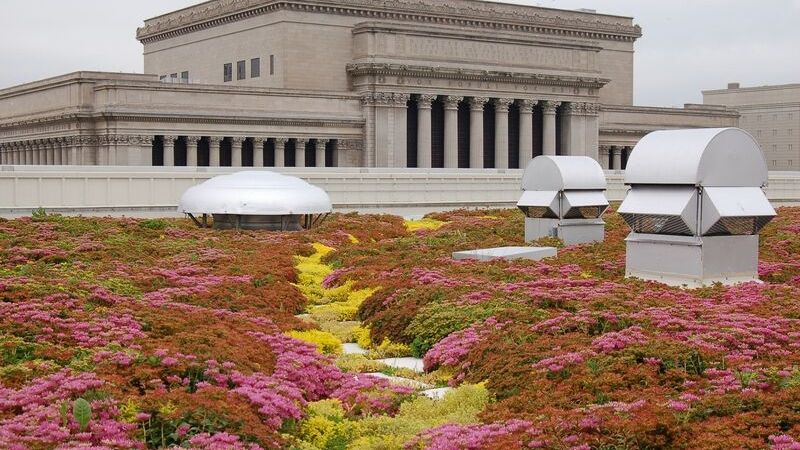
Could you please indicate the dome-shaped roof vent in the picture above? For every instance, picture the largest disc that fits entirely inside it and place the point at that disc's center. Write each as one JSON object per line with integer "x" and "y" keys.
{"x": 256, "y": 200}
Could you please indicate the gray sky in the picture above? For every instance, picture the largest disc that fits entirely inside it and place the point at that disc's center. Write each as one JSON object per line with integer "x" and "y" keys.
{"x": 688, "y": 45}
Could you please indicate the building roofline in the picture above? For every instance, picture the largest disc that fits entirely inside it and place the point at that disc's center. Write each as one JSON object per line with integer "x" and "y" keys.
{"x": 473, "y": 13}
{"x": 483, "y": 2}
{"x": 72, "y": 77}
{"x": 767, "y": 87}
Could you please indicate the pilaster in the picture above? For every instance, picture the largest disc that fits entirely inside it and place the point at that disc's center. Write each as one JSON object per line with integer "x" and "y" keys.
{"x": 387, "y": 115}
{"x": 592, "y": 128}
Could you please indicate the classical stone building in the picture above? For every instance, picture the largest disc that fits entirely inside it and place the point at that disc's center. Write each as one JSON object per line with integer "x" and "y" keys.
{"x": 371, "y": 83}
{"x": 771, "y": 114}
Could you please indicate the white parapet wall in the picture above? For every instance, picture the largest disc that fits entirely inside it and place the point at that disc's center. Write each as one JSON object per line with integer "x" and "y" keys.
{"x": 155, "y": 191}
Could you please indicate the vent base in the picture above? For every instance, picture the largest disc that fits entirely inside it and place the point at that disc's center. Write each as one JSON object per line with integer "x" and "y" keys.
{"x": 692, "y": 261}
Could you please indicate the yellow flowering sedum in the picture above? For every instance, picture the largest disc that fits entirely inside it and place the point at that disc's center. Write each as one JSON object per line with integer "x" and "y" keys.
{"x": 423, "y": 224}
{"x": 326, "y": 343}
{"x": 327, "y": 426}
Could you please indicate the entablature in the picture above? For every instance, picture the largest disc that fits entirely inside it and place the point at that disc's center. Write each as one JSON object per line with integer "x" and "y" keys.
{"x": 465, "y": 13}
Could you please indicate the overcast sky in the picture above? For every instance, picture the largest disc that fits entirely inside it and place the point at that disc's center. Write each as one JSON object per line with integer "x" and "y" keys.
{"x": 688, "y": 45}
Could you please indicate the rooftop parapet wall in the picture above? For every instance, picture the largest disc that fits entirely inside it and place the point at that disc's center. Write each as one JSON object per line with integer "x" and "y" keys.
{"x": 787, "y": 94}
{"x": 470, "y": 13}
{"x": 647, "y": 118}
{"x": 91, "y": 93}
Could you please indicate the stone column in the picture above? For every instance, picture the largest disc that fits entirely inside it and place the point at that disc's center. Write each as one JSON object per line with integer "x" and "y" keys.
{"x": 38, "y": 149}
{"x": 169, "y": 151}
{"x": 616, "y": 158}
{"x": 280, "y": 152}
{"x": 320, "y": 152}
{"x": 236, "y": 151}
{"x": 22, "y": 150}
{"x": 451, "y": 131}
{"x": 191, "y": 150}
{"x": 501, "y": 132}
{"x": 50, "y": 152}
{"x": 214, "y": 150}
{"x": 58, "y": 144}
{"x": 300, "y": 152}
{"x": 31, "y": 149}
{"x": 19, "y": 155}
{"x": 476, "y": 105}
{"x": 3, "y": 157}
{"x": 258, "y": 151}
{"x": 605, "y": 157}
{"x": 526, "y": 131}
{"x": 549, "y": 109}
{"x": 424, "y": 146}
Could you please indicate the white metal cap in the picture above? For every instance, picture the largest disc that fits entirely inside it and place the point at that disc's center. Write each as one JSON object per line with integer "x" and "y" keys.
{"x": 723, "y": 157}
{"x": 260, "y": 193}
{"x": 559, "y": 173}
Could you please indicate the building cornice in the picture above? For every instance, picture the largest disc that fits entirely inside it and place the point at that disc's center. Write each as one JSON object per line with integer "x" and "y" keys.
{"x": 454, "y": 73}
{"x": 183, "y": 118}
{"x": 472, "y": 14}
{"x": 694, "y": 110}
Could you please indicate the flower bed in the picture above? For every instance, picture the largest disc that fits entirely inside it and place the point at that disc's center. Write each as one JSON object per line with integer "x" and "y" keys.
{"x": 177, "y": 336}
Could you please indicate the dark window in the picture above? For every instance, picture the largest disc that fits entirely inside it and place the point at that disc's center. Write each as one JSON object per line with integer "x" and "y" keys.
{"x": 272, "y": 64}
{"x": 174, "y": 75}
{"x": 163, "y": 78}
{"x": 185, "y": 77}
{"x": 241, "y": 68}
{"x": 228, "y": 72}
{"x": 255, "y": 67}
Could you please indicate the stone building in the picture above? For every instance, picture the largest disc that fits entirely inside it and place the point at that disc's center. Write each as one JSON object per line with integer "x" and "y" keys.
{"x": 370, "y": 83}
{"x": 771, "y": 114}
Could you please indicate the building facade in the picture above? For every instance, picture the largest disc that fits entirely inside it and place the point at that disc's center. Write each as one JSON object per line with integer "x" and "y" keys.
{"x": 771, "y": 114}
{"x": 356, "y": 83}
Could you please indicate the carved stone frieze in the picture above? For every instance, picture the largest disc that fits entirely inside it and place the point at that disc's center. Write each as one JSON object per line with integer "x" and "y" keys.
{"x": 384, "y": 99}
{"x": 455, "y": 73}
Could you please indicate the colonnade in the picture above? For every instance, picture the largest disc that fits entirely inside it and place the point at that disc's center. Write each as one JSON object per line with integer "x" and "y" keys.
{"x": 447, "y": 131}
{"x": 239, "y": 151}
{"x": 51, "y": 151}
{"x": 614, "y": 157}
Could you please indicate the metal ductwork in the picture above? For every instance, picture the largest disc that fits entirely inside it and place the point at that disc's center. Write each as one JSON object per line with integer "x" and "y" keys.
{"x": 563, "y": 196}
{"x": 696, "y": 206}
